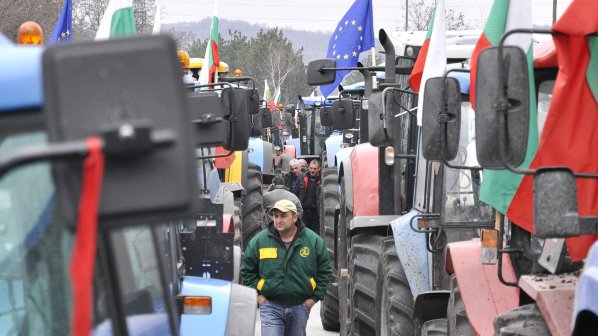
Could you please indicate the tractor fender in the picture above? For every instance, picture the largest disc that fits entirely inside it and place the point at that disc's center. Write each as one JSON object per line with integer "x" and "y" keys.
{"x": 333, "y": 145}
{"x": 365, "y": 185}
{"x": 296, "y": 142}
{"x": 255, "y": 152}
{"x": 21, "y": 84}
{"x": 346, "y": 172}
{"x": 341, "y": 155}
{"x": 484, "y": 296}
{"x": 586, "y": 296}
{"x": 411, "y": 249}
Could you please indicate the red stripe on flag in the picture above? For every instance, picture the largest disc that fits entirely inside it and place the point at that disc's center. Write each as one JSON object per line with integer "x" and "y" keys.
{"x": 84, "y": 253}
{"x": 482, "y": 44}
{"x": 418, "y": 68}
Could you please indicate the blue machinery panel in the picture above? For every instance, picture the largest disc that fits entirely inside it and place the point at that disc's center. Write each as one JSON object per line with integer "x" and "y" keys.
{"x": 256, "y": 152}
{"x": 209, "y": 324}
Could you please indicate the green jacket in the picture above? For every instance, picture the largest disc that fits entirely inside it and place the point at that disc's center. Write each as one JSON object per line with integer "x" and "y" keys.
{"x": 287, "y": 277}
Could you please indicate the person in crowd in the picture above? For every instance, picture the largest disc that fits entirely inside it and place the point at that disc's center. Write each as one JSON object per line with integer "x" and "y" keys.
{"x": 293, "y": 179}
{"x": 289, "y": 266}
{"x": 276, "y": 192}
{"x": 311, "y": 195}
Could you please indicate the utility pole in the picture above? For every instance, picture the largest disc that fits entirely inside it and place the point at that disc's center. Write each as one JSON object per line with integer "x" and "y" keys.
{"x": 407, "y": 15}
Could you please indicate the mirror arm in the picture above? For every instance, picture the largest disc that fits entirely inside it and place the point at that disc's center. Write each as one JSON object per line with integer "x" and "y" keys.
{"x": 500, "y": 251}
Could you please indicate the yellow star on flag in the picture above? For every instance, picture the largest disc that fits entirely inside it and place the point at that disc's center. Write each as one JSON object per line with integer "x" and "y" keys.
{"x": 336, "y": 37}
{"x": 334, "y": 53}
{"x": 354, "y": 54}
{"x": 346, "y": 22}
{"x": 63, "y": 34}
{"x": 361, "y": 38}
{"x": 340, "y": 28}
{"x": 338, "y": 56}
{"x": 68, "y": 32}
{"x": 358, "y": 47}
{"x": 353, "y": 22}
{"x": 346, "y": 56}
{"x": 334, "y": 46}
{"x": 360, "y": 28}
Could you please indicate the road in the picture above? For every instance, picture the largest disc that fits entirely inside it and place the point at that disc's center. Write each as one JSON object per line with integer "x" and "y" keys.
{"x": 314, "y": 325}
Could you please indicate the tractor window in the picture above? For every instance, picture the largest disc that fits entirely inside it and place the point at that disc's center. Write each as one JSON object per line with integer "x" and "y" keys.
{"x": 462, "y": 186}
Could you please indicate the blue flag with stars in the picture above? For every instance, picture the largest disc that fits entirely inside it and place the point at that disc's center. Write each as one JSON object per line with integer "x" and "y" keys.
{"x": 353, "y": 35}
{"x": 63, "y": 30}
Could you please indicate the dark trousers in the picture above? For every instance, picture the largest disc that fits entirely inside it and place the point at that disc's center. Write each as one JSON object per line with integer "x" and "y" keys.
{"x": 311, "y": 219}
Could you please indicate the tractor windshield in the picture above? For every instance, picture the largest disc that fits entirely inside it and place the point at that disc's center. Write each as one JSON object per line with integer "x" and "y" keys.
{"x": 35, "y": 253}
{"x": 462, "y": 186}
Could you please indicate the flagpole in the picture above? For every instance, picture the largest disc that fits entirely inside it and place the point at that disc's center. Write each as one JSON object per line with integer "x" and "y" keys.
{"x": 375, "y": 79}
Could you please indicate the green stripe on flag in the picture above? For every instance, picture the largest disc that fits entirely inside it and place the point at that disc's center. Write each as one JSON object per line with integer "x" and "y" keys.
{"x": 123, "y": 23}
{"x": 499, "y": 186}
{"x": 497, "y": 21}
{"x": 431, "y": 25}
{"x": 592, "y": 74}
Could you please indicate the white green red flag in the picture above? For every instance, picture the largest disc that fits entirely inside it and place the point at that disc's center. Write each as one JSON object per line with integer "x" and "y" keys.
{"x": 211, "y": 61}
{"x": 118, "y": 20}
{"x": 273, "y": 103}
{"x": 499, "y": 186}
{"x": 431, "y": 61}
{"x": 267, "y": 92}
{"x": 570, "y": 134}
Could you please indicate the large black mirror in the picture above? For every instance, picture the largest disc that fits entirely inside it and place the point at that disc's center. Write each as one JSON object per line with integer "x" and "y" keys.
{"x": 326, "y": 116}
{"x": 515, "y": 122}
{"x": 123, "y": 95}
{"x": 441, "y": 119}
{"x": 235, "y": 104}
{"x": 206, "y": 116}
{"x": 555, "y": 204}
{"x": 317, "y": 76}
{"x": 382, "y": 108}
{"x": 343, "y": 114}
{"x": 266, "y": 116}
{"x": 253, "y": 102}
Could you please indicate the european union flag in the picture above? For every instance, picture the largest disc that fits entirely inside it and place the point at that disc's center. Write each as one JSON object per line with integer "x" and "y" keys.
{"x": 64, "y": 26}
{"x": 353, "y": 34}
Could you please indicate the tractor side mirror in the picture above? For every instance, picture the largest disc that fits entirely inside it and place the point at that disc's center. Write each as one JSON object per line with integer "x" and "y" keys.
{"x": 509, "y": 127}
{"x": 555, "y": 203}
{"x": 235, "y": 102}
{"x": 381, "y": 116}
{"x": 266, "y": 116}
{"x": 207, "y": 117}
{"x": 441, "y": 119}
{"x": 129, "y": 107}
{"x": 326, "y": 116}
{"x": 253, "y": 106}
{"x": 343, "y": 114}
{"x": 317, "y": 76}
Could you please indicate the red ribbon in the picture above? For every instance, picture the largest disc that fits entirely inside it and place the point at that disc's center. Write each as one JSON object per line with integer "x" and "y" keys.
{"x": 84, "y": 254}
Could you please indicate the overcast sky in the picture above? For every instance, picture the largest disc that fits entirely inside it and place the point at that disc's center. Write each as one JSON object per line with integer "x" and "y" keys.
{"x": 323, "y": 15}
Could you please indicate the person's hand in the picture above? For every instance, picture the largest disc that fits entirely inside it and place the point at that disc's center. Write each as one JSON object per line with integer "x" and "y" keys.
{"x": 309, "y": 303}
{"x": 261, "y": 299}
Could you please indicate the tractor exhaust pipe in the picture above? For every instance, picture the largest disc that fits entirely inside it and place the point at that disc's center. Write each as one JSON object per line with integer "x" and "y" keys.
{"x": 389, "y": 57}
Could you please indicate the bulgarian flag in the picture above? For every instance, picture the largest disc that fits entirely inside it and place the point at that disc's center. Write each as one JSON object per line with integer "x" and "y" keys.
{"x": 267, "y": 92}
{"x": 499, "y": 186}
{"x": 431, "y": 61}
{"x": 570, "y": 134}
{"x": 211, "y": 61}
{"x": 118, "y": 20}
{"x": 273, "y": 103}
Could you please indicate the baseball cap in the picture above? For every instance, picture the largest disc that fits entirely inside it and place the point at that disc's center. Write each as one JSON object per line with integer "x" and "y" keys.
{"x": 284, "y": 206}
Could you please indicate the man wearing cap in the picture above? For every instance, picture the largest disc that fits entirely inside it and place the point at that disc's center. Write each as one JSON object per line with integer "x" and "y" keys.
{"x": 276, "y": 192}
{"x": 289, "y": 266}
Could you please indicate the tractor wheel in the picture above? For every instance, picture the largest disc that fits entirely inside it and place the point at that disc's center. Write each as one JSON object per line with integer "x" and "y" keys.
{"x": 364, "y": 254}
{"x": 458, "y": 323}
{"x": 396, "y": 301}
{"x": 438, "y": 327}
{"x": 329, "y": 200}
{"x": 526, "y": 320}
{"x": 253, "y": 214}
{"x": 238, "y": 223}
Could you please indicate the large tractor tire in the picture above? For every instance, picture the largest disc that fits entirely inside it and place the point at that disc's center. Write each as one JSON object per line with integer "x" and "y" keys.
{"x": 526, "y": 320}
{"x": 238, "y": 224}
{"x": 458, "y": 323}
{"x": 364, "y": 254}
{"x": 329, "y": 200}
{"x": 438, "y": 327}
{"x": 396, "y": 301}
{"x": 252, "y": 212}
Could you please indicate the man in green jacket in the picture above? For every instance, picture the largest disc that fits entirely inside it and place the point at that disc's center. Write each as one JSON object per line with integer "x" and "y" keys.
{"x": 289, "y": 266}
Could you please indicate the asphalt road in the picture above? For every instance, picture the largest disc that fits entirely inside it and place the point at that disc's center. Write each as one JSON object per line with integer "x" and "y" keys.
{"x": 314, "y": 324}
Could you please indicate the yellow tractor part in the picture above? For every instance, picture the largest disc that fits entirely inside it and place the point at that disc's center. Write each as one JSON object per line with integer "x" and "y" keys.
{"x": 234, "y": 173}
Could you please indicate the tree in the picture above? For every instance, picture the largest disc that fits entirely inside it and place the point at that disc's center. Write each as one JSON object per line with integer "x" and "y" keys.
{"x": 420, "y": 15}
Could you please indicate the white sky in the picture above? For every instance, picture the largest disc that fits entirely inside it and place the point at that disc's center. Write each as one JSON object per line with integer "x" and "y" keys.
{"x": 323, "y": 15}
